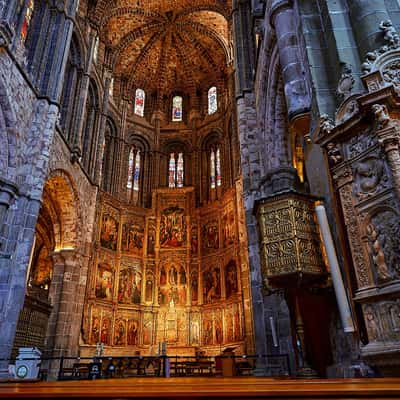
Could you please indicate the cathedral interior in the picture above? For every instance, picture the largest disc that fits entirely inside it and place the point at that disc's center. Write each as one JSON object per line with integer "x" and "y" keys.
{"x": 205, "y": 175}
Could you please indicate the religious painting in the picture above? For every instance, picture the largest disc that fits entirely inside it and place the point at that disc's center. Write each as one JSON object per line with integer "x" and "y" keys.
{"x": 151, "y": 239}
{"x": 163, "y": 276}
{"x": 147, "y": 328}
{"x": 195, "y": 329}
{"x": 130, "y": 284}
{"x": 229, "y": 333}
{"x": 194, "y": 287}
{"x": 148, "y": 292}
{"x": 105, "y": 334}
{"x": 182, "y": 329}
{"x": 133, "y": 332}
{"x": 182, "y": 276}
{"x": 231, "y": 283}
{"x": 207, "y": 330}
{"x": 95, "y": 329}
{"x": 163, "y": 295}
{"x": 120, "y": 332}
{"x": 132, "y": 239}
{"x": 210, "y": 237}
{"x": 182, "y": 295}
{"x": 211, "y": 285}
{"x": 218, "y": 330}
{"x": 104, "y": 282}
{"x": 109, "y": 232}
{"x": 194, "y": 241}
{"x": 237, "y": 322}
{"x": 228, "y": 229}
{"x": 173, "y": 227}
{"x": 173, "y": 295}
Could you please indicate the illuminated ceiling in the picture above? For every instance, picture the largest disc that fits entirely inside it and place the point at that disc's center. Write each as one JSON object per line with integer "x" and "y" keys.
{"x": 166, "y": 46}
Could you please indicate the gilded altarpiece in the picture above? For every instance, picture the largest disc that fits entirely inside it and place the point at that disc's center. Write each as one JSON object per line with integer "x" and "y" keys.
{"x": 173, "y": 273}
{"x": 362, "y": 149}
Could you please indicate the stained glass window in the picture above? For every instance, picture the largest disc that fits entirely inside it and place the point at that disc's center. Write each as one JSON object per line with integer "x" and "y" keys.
{"x": 131, "y": 163}
{"x": 96, "y": 50}
{"x": 171, "y": 177}
{"x": 179, "y": 174}
{"x": 212, "y": 159}
{"x": 218, "y": 167}
{"x": 27, "y": 19}
{"x": 133, "y": 183}
{"x": 177, "y": 102}
{"x": 111, "y": 88}
{"x": 140, "y": 97}
{"x": 212, "y": 101}
{"x": 137, "y": 172}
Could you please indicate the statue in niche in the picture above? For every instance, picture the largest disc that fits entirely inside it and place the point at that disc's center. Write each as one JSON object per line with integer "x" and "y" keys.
{"x": 334, "y": 155}
{"x": 384, "y": 235}
{"x": 195, "y": 332}
{"x": 368, "y": 174}
{"x": 378, "y": 255}
{"x": 194, "y": 288}
{"x": 208, "y": 332}
{"x": 182, "y": 276}
{"x": 372, "y": 325}
{"x": 147, "y": 329}
{"x": 194, "y": 241}
{"x": 163, "y": 276}
{"x": 151, "y": 240}
{"x": 173, "y": 276}
{"x": 149, "y": 290}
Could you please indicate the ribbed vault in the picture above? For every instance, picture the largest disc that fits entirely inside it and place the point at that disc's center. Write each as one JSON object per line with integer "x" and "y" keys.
{"x": 164, "y": 46}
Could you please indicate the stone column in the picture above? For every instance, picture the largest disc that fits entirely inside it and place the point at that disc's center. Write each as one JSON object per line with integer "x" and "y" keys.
{"x": 7, "y": 192}
{"x": 63, "y": 294}
{"x": 194, "y": 118}
{"x": 366, "y": 16}
{"x": 296, "y": 91}
{"x": 83, "y": 93}
{"x": 157, "y": 174}
{"x": 103, "y": 120}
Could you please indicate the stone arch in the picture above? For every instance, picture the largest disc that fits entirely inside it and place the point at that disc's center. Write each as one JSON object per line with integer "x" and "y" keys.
{"x": 8, "y": 137}
{"x": 61, "y": 200}
{"x": 275, "y": 124}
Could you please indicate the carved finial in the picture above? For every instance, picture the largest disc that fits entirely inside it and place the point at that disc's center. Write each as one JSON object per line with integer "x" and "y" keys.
{"x": 326, "y": 124}
{"x": 390, "y": 33}
{"x": 381, "y": 115}
{"x": 346, "y": 82}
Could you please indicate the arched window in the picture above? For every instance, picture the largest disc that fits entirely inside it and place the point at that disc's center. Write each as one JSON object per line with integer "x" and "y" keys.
{"x": 177, "y": 105}
{"x": 133, "y": 184}
{"x": 70, "y": 92}
{"x": 176, "y": 170}
{"x": 212, "y": 101}
{"x": 215, "y": 168}
{"x": 140, "y": 97}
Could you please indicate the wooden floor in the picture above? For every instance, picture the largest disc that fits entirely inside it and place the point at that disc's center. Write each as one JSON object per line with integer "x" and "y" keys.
{"x": 239, "y": 388}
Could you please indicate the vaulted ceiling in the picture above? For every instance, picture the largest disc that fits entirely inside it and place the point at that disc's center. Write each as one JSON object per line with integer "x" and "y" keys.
{"x": 167, "y": 45}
